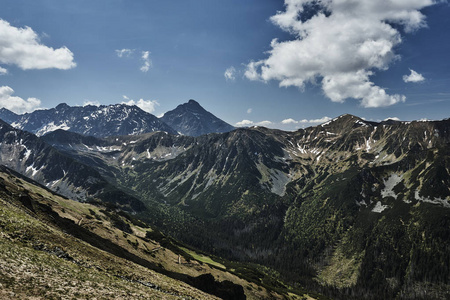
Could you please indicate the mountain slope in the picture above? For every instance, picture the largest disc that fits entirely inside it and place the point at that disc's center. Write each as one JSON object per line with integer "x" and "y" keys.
{"x": 8, "y": 116}
{"x": 54, "y": 247}
{"x": 100, "y": 121}
{"x": 30, "y": 156}
{"x": 349, "y": 207}
{"x": 193, "y": 120}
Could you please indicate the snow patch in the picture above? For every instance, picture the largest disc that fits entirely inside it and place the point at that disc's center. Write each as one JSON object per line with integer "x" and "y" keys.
{"x": 389, "y": 185}
{"x": 51, "y": 127}
{"x": 33, "y": 169}
{"x": 27, "y": 153}
{"x": 379, "y": 207}
{"x": 439, "y": 201}
{"x": 279, "y": 181}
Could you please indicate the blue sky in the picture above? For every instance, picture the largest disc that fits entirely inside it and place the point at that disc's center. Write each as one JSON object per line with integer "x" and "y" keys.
{"x": 338, "y": 57}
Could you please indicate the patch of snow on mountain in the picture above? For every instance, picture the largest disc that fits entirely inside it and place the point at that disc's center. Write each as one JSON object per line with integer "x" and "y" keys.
{"x": 27, "y": 153}
{"x": 33, "y": 169}
{"x": 279, "y": 181}
{"x": 361, "y": 123}
{"x": 379, "y": 207}
{"x": 389, "y": 185}
{"x": 53, "y": 183}
{"x": 107, "y": 149}
{"x": 301, "y": 149}
{"x": 51, "y": 127}
{"x": 439, "y": 201}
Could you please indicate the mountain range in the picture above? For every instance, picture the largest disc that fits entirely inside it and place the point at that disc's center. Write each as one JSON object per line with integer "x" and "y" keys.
{"x": 120, "y": 119}
{"x": 350, "y": 208}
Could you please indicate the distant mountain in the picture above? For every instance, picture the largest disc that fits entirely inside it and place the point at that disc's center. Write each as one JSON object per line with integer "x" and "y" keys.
{"x": 8, "y": 116}
{"x": 99, "y": 121}
{"x": 193, "y": 120}
{"x": 30, "y": 156}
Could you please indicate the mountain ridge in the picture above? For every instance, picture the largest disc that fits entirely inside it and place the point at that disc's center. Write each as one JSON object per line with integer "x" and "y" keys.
{"x": 117, "y": 119}
{"x": 299, "y": 202}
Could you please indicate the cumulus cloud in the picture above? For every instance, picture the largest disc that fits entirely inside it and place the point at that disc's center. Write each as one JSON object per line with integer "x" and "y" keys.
{"x": 124, "y": 52}
{"x": 22, "y": 47}
{"x": 230, "y": 74}
{"x": 17, "y": 104}
{"x": 245, "y": 123}
{"x": 339, "y": 43}
{"x": 251, "y": 71}
{"x": 316, "y": 121}
{"x": 3, "y": 71}
{"x": 413, "y": 77}
{"x": 90, "y": 102}
{"x": 248, "y": 123}
{"x": 145, "y": 58}
{"x": 147, "y": 62}
{"x": 291, "y": 121}
{"x": 146, "y": 105}
{"x": 264, "y": 123}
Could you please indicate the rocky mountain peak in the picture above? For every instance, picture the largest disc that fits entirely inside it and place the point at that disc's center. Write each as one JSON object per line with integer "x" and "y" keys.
{"x": 62, "y": 106}
{"x": 192, "y": 119}
{"x": 192, "y": 102}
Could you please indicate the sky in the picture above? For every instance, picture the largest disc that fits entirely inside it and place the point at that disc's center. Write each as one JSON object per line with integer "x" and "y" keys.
{"x": 280, "y": 64}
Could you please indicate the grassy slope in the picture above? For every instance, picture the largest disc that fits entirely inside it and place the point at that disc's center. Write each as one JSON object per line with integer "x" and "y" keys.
{"x": 40, "y": 257}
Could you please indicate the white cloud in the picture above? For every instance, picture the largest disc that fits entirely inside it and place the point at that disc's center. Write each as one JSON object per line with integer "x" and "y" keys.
{"x": 249, "y": 111}
{"x": 17, "y": 104}
{"x": 289, "y": 121}
{"x": 305, "y": 121}
{"x": 248, "y": 123}
{"x": 245, "y": 123}
{"x": 340, "y": 46}
{"x": 3, "y": 71}
{"x": 413, "y": 77}
{"x": 264, "y": 123}
{"x": 316, "y": 121}
{"x": 147, "y": 62}
{"x": 22, "y": 47}
{"x": 145, "y": 57}
{"x": 146, "y": 105}
{"x": 251, "y": 71}
{"x": 124, "y": 52}
{"x": 230, "y": 74}
{"x": 90, "y": 102}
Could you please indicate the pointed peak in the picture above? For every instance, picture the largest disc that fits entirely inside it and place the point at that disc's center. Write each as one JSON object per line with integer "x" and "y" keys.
{"x": 349, "y": 117}
{"x": 192, "y": 101}
{"x": 62, "y": 106}
{"x": 192, "y": 106}
{"x": 347, "y": 120}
